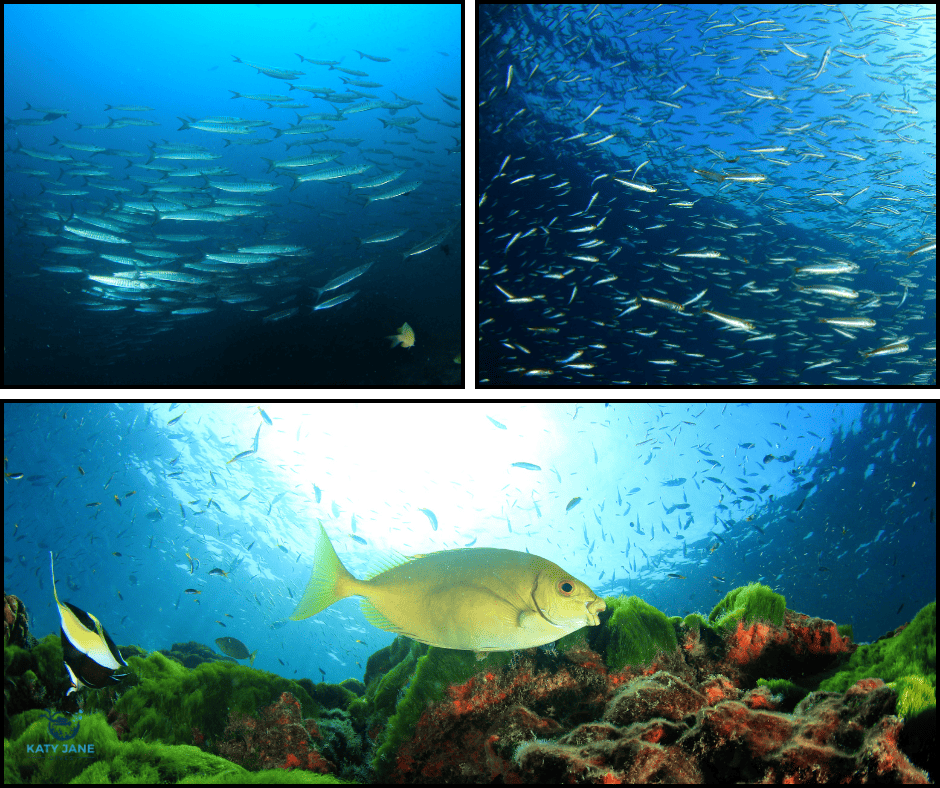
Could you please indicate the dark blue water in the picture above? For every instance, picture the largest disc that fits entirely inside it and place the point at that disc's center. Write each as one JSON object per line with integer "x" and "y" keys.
{"x": 61, "y": 327}
{"x": 776, "y": 139}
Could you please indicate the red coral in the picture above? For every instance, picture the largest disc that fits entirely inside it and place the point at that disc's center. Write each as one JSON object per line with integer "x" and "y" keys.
{"x": 748, "y": 642}
{"x": 280, "y": 739}
{"x": 687, "y": 716}
{"x": 474, "y": 731}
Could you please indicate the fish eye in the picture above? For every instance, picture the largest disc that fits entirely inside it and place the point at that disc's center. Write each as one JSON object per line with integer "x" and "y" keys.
{"x": 565, "y": 587}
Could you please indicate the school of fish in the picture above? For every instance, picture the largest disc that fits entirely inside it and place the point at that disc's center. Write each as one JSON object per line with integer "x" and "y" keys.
{"x": 708, "y": 195}
{"x": 174, "y": 230}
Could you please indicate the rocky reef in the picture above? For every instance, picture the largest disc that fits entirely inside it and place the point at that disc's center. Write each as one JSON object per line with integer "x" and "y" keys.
{"x": 752, "y": 692}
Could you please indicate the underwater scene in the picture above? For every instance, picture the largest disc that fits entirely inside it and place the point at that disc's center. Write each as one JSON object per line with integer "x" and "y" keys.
{"x": 471, "y": 593}
{"x": 707, "y": 194}
{"x": 215, "y": 194}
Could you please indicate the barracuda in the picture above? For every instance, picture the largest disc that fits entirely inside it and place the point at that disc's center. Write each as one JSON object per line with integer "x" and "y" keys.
{"x": 332, "y": 173}
{"x": 95, "y": 235}
{"x": 398, "y": 191}
{"x": 116, "y": 281}
{"x": 335, "y": 301}
{"x": 343, "y": 279}
{"x": 379, "y": 180}
{"x": 380, "y": 238}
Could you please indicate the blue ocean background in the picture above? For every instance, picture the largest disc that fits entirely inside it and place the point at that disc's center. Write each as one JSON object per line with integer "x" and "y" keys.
{"x": 832, "y": 108}
{"x": 832, "y": 505}
{"x": 180, "y": 60}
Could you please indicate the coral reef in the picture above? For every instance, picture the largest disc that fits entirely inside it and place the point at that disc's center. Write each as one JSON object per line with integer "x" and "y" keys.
{"x": 15, "y": 623}
{"x": 193, "y": 654}
{"x": 751, "y": 692}
{"x": 165, "y": 700}
{"x": 633, "y": 632}
{"x": 279, "y": 739}
{"x": 98, "y": 756}
{"x": 910, "y": 650}
{"x": 737, "y": 700}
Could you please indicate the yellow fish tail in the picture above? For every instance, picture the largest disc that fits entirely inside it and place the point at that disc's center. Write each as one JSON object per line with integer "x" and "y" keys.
{"x": 329, "y": 582}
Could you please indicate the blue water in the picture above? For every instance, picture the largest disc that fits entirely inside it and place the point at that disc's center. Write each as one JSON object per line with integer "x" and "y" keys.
{"x": 180, "y": 61}
{"x": 618, "y": 140}
{"x": 841, "y": 520}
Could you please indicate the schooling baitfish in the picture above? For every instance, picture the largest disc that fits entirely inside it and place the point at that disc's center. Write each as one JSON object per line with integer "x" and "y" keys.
{"x": 477, "y": 599}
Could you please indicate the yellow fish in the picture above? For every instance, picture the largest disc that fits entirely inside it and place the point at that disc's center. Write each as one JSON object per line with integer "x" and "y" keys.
{"x": 405, "y": 337}
{"x": 476, "y": 599}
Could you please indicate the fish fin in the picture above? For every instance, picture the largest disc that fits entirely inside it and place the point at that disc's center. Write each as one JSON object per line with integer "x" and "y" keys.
{"x": 385, "y": 561}
{"x": 329, "y": 581}
{"x": 378, "y": 619}
{"x": 52, "y": 569}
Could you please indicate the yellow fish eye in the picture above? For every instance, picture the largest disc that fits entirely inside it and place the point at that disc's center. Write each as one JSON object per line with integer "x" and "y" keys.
{"x": 565, "y": 587}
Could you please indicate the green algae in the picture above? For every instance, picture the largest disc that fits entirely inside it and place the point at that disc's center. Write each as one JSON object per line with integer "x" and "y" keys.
{"x": 753, "y": 602}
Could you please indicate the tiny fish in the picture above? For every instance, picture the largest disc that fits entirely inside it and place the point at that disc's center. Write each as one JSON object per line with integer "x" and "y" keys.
{"x": 430, "y": 515}
{"x": 527, "y": 465}
{"x": 572, "y": 503}
{"x": 358, "y": 539}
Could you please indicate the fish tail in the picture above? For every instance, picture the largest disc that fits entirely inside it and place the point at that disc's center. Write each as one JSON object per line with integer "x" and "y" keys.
{"x": 329, "y": 582}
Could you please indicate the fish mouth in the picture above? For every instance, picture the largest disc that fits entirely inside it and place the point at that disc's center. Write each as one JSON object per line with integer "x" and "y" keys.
{"x": 595, "y": 606}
